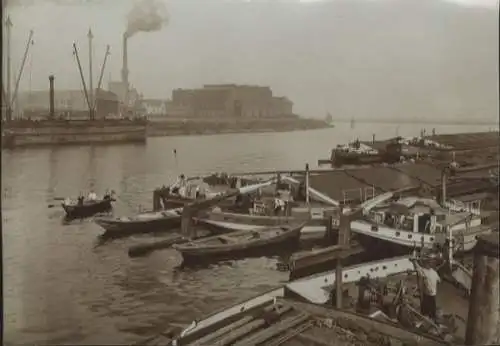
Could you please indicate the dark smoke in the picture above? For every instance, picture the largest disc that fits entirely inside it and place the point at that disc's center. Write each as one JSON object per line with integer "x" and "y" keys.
{"x": 146, "y": 16}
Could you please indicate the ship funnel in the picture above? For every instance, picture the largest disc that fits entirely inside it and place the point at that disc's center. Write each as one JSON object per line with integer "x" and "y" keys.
{"x": 51, "y": 96}
{"x": 125, "y": 62}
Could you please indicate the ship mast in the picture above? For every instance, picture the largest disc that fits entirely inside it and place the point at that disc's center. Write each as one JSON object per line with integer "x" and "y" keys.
{"x": 8, "y": 24}
{"x": 91, "y": 78}
{"x": 29, "y": 43}
{"x": 75, "y": 52}
{"x": 102, "y": 73}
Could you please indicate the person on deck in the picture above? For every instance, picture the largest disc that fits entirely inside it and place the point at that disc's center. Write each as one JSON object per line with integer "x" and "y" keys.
{"x": 92, "y": 196}
{"x": 429, "y": 281}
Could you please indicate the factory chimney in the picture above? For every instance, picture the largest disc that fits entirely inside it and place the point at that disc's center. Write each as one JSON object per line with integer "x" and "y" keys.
{"x": 51, "y": 96}
{"x": 125, "y": 67}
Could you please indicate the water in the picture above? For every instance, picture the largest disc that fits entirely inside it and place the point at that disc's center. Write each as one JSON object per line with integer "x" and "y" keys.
{"x": 59, "y": 288}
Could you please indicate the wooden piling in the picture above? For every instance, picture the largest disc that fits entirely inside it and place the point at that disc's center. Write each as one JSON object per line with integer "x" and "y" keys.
{"x": 343, "y": 240}
{"x": 483, "y": 321}
{"x": 156, "y": 200}
{"x": 329, "y": 234}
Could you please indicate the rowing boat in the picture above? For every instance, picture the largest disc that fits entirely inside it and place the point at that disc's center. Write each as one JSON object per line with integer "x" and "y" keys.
{"x": 88, "y": 208}
{"x": 148, "y": 222}
{"x": 241, "y": 244}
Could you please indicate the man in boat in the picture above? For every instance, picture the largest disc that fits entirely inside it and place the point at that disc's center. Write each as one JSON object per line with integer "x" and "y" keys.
{"x": 92, "y": 196}
{"x": 180, "y": 183}
{"x": 429, "y": 280}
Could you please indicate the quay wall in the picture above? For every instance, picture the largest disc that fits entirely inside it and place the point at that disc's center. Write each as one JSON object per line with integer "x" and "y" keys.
{"x": 172, "y": 127}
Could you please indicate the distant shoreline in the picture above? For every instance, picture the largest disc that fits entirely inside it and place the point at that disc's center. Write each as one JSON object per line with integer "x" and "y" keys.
{"x": 193, "y": 127}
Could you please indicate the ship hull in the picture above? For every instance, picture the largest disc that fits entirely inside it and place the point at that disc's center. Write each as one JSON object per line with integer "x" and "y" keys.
{"x": 72, "y": 132}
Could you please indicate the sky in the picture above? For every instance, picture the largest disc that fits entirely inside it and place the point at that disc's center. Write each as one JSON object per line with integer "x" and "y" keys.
{"x": 377, "y": 58}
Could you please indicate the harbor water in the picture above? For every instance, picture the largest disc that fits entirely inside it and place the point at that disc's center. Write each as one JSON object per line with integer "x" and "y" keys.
{"x": 62, "y": 287}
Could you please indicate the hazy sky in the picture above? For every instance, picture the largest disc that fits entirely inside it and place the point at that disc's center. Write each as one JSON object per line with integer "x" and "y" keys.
{"x": 349, "y": 57}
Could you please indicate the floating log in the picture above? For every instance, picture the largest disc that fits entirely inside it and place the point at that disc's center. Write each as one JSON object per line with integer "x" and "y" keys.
{"x": 483, "y": 326}
{"x": 317, "y": 257}
{"x": 145, "y": 249}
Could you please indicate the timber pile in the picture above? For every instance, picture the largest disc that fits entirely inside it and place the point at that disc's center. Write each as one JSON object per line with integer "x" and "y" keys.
{"x": 290, "y": 323}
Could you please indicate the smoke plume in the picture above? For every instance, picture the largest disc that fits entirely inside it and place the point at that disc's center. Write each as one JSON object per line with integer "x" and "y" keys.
{"x": 146, "y": 16}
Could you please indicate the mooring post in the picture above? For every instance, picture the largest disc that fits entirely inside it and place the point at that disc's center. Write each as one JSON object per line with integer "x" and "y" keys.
{"x": 329, "y": 229}
{"x": 307, "y": 186}
{"x": 186, "y": 228}
{"x": 483, "y": 321}
{"x": 156, "y": 200}
{"x": 344, "y": 223}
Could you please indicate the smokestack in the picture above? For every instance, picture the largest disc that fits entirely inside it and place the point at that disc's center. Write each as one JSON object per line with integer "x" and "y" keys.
{"x": 125, "y": 69}
{"x": 51, "y": 96}
{"x": 125, "y": 60}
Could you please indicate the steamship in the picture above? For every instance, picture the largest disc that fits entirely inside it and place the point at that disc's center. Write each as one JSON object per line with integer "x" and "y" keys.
{"x": 39, "y": 127}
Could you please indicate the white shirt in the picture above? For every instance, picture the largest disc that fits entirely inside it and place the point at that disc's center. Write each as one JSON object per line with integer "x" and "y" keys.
{"x": 430, "y": 279}
{"x": 92, "y": 196}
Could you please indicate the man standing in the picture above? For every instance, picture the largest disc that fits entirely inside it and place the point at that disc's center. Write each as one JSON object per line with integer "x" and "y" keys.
{"x": 429, "y": 279}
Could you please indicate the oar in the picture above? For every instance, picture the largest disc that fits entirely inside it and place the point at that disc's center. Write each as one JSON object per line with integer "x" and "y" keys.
{"x": 56, "y": 199}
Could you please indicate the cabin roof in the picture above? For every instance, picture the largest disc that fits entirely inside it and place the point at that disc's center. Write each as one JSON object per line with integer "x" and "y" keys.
{"x": 334, "y": 184}
{"x": 383, "y": 178}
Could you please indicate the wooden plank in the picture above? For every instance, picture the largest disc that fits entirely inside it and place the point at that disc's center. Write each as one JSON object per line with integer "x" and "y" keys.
{"x": 368, "y": 324}
{"x": 291, "y": 334}
{"x": 194, "y": 335}
{"x": 208, "y": 339}
{"x": 246, "y": 329}
{"x": 274, "y": 330}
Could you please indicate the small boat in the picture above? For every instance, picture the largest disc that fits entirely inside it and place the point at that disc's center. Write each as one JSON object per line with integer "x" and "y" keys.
{"x": 87, "y": 208}
{"x": 244, "y": 243}
{"x": 233, "y": 222}
{"x": 148, "y": 222}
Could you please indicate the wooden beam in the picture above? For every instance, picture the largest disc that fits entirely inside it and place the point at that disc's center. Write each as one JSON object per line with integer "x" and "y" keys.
{"x": 235, "y": 335}
{"x": 209, "y": 338}
{"x": 274, "y": 330}
{"x": 193, "y": 336}
{"x": 291, "y": 334}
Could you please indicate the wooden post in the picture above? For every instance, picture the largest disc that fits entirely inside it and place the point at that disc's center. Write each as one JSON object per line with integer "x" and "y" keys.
{"x": 156, "y": 200}
{"x": 344, "y": 221}
{"x": 329, "y": 230}
{"x": 483, "y": 321}
{"x": 307, "y": 184}
{"x": 186, "y": 225}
